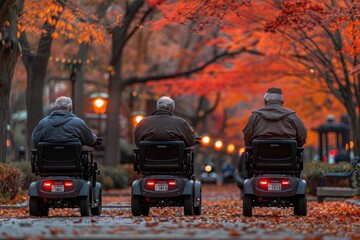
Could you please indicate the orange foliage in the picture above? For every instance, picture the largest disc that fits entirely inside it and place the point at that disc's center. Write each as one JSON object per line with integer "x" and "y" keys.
{"x": 69, "y": 21}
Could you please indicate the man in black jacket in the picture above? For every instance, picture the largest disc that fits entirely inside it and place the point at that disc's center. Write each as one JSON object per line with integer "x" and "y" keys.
{"x": 63, "y": 126}
{"x": 162, "y": 125}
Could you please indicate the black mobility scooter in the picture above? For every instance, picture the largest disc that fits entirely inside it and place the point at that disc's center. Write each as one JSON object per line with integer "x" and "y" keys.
{"x": 167, "y": 178}
{"x": 275, "y": 167}
{"x": 68, "y": 179}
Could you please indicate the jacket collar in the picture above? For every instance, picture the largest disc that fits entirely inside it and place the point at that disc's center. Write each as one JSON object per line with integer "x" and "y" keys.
{"x": 161, "y": 112}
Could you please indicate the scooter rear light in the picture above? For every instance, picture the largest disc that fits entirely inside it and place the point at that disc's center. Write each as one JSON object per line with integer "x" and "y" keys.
{"x": 172, "y": 182}
{"x": 47, "y": 185}
{"x": 263, "y": 182}
{"x": 285, "y": 182}
{"x": 69, "y": 185}
{"x": 150, "y": 183}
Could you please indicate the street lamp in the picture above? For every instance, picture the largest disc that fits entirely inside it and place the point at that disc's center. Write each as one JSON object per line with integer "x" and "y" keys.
{"x": 205, "y": 140}
{"x": 230, "y": 149}
{"x": 136, "y": 117}
{"x": 218, "y": 145}
{"x": 99, "y": 103}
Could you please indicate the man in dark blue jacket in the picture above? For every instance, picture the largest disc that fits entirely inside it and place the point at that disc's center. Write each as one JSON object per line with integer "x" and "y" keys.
{"x": 63, "y": 126}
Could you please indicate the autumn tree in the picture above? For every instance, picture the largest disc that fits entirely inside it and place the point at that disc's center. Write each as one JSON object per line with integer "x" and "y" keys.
{"x": 325, "y": 41}
{"x": 9, "y": 53}
{"x": 45, "y": 21}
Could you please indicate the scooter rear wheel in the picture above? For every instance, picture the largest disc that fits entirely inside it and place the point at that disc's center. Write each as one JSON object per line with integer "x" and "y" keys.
{"x": 247, "y": 205}
{"x": 96, "y": 211}
{"x": 85, "y": 206}
{"x": 188, "y": 205}
{"x": 34, "y": 208}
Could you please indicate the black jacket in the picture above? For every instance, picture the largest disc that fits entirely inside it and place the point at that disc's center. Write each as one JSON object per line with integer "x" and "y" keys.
{"x": 63, "y": 126}
{"x": 162, "y": 125}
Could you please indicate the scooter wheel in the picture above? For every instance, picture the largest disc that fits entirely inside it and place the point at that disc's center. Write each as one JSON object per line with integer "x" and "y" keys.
{"x": 85, "y": 206}
{"x": 247, "y": 206}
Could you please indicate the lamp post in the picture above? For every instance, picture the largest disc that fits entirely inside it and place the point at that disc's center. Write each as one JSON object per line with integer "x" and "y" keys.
{"x": 74, "y": 66}
{"x": 99, "y": 103}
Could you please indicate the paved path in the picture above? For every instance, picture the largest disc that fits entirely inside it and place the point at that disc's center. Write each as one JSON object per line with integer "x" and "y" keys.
{"x": 221, "y": 219}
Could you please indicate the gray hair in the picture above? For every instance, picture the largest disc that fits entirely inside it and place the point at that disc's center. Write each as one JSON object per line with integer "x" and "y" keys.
{"x": 63, "y": 103}
{"x": 273, "y": 97}
{"x": 165, "y": 103}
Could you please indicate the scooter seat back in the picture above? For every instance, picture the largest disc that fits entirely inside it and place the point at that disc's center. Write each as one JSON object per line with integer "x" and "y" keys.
{"x": 274, "y": 155}
{"x": 59, "y": 159}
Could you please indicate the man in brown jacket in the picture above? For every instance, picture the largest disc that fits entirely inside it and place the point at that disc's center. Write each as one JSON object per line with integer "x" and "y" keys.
{"x": 271, "y": 122}
{"x": 162, "y": 125}
{"x": 274, "y": 121}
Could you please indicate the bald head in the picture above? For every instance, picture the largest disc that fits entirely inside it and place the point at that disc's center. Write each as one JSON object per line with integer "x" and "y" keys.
{"x": 165, "y": 103}
{"x": 63, "y": 103}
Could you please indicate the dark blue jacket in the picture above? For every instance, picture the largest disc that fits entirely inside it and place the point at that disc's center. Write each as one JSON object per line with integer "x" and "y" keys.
{"x": 63, "y": 126}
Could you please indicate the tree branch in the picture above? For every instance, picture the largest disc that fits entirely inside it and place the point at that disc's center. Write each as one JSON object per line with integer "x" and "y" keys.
{"x": 225, "y": 54}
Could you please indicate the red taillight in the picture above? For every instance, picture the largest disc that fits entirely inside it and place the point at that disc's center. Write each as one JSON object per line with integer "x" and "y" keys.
{"x": 69, "y": 184}
{"x": 47, "y": 185}
{"x": 332, "y": 152}
{"x": 172, "y": 183}
{"x": 285, "y": 182}
{"x": 263, "y": 182}
{"x": 150, "y": 183}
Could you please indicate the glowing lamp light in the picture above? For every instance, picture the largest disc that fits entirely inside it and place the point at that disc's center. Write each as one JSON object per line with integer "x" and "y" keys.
{"x": 218, "y": 144}
{"x": 241, "y": 150}
{"x": 136, "y": 117}
{"x": 208, "y": 168}
{"x": 99, "y": 102}
{"x": 205, "y": 140}
{"x": 230, "y": 148}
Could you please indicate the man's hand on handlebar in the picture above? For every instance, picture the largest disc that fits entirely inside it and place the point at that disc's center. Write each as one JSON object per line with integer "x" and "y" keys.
{"x": 98, "y": 140}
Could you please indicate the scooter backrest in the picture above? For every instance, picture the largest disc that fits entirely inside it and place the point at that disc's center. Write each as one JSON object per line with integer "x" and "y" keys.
{"x": 275, "y": 155}
{"x": 59, "y": 158}
{"x": 161, "y": 156}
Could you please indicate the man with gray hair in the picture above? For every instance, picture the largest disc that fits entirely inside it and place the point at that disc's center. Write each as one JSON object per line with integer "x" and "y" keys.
{"x": 162, "y": 125}
{"x": 270, "y": 122}
{"x": 274, "y": 121}
{"x": 63, "y": 126}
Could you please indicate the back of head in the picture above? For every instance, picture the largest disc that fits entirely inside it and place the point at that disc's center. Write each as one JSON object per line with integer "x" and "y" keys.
{"x": 63, "y": 103}
{"x": 165, "y": 103}
{"x": 274, "y": 94}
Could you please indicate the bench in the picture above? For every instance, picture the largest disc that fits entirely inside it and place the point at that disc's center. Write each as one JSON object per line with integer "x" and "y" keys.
{"x": 348, "y": 176}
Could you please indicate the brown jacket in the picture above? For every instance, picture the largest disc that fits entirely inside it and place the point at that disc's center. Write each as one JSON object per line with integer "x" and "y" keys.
{"x": 162, "y": 125}
{"x": 274, "y": 122}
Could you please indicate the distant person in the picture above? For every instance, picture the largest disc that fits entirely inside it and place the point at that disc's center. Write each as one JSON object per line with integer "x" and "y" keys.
{"x": 162, "y": 125}
{"x": 62, "y": 126}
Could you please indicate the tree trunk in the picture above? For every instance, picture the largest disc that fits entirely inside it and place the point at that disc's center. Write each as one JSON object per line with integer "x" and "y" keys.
{"x": 119, "y": 40}
{"x": 36, "y": 67}
{"x": 9, "y": 53}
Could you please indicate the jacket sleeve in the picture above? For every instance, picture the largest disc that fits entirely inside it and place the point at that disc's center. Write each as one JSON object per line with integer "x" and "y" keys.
{"x": 249, "y": 130}
{"x": 301, "y": 131}
{"x": 38, "y": 133}
{"x": 138, "y": 133}
{"x": 87, "y": 136}
{"x": 188, "y": 135}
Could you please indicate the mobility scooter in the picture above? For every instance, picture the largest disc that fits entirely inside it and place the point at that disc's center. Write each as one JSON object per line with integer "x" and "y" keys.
{"x": 68, "y": 179}
{"x": 275, "y": 167}
{"x": 167, "y": 180}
